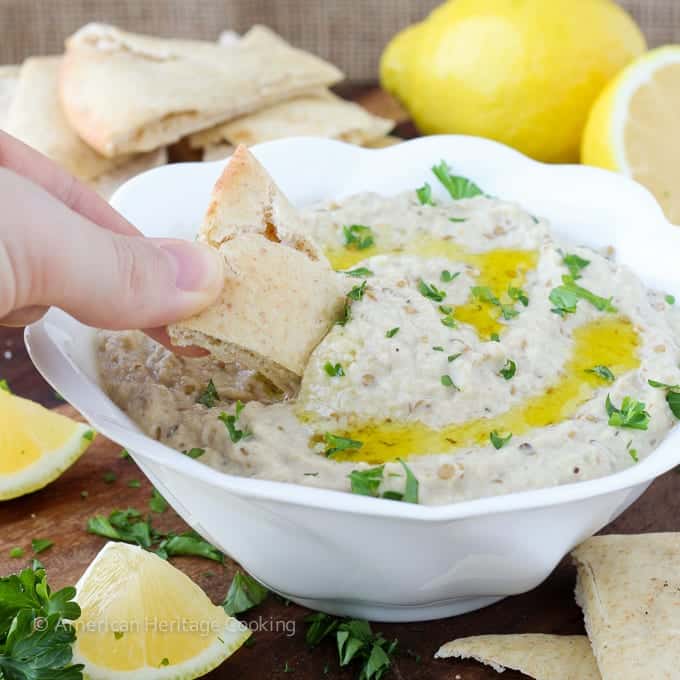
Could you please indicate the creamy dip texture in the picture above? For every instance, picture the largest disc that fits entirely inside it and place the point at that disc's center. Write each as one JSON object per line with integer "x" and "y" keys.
{"x": 466, "y": 354}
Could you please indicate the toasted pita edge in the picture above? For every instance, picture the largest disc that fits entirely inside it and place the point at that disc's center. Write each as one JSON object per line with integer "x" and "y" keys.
{"x": 538, "y": 655}
{"x": 245, "y": 200}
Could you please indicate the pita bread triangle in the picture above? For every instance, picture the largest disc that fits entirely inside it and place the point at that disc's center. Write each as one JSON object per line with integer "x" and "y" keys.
{"x": 280, "y": 295}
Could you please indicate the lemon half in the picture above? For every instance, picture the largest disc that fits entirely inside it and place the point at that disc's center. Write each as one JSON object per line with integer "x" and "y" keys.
{"x": 143, "y": 619}
{"x": 36, "y": 445}
{"x": 634, "y": 126}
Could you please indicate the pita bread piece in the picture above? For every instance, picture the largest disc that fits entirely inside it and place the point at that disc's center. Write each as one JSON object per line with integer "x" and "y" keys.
{"x": 543, "y": 657}
{"x": 9, "y": 81}
{"x": 35, "y": 117}
{"x": 629, "y": 590}
{"x": 319, "y": 114}
{"x": 280, "y": 295}
{"x": 126, "y": 93}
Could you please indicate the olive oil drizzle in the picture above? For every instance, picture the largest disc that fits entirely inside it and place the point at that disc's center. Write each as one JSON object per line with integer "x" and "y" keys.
{"x": 608, "y": 341}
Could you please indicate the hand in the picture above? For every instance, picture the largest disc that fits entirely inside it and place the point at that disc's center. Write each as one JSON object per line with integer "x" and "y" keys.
{"x": 62, "y": 245}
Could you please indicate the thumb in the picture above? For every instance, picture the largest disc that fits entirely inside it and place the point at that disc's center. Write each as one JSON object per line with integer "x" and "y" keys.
{"x": 57, "y": 257}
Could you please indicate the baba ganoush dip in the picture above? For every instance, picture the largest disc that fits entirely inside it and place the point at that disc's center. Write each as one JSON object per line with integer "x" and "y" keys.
{"x": 479, "y": 355}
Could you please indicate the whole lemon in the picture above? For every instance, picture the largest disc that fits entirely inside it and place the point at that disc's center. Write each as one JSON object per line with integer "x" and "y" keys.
{"x": 523, "y": 72}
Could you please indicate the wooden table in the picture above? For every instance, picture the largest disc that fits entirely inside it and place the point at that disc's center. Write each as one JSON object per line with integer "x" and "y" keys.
{"x": 60, "y": 513}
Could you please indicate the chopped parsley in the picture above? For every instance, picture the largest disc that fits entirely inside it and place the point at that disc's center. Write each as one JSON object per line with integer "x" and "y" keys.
{"x": 457, "y": 219}
{"x": 358, "y": 236}
{"x": 157, "y": 503}
{"x": 334, "y": 370}
{"x": 494, "y": 337}
{"x": 39, "y": 545}
{"x": 4, "y": 385}
{"x": 446, "y": 276}
{"x": 209, "y": 395}
{"x": 453, "y": 357}
{"x": 437, "y": 348}
{"x": 109, "y": 477}
{"x": 424, "y": 194}
{"x": 518, "y": 295}
{"x": 670, "y": 299}
{"x": 632, "y": 452}
{"x": 484, "y": 294}
{"x": 134, "y": 484}
{"x": 337, "y": 443}
{"x": 574, "y": 264}
{"x": 458, "y": 187}
{"x": 230, "y": 422}
{"x": 367, "y": 482}
{"x": 632, "y": 414}
{"x": 36, "y": 631}
{"x": 124, "y": 454}
{"x": 603, "y": 372}
{"x": 498, "y": 440}
{"x": 357, "y": 292}
{"x": 449, "y": 321}
{"x": 672, "y": 395}
{"x": 89, "y": 435}
{"x": 188, "y": 543}
{"x": 566, "y": 297}
{"x": 392, "y": 332}
{"x": 16, "y": 553}
{"x": 194, "y": 453}
{"x": 359, "y": 272}
{"x": 509, "y": 369}
{"x": 447, "y": 381}
{"x": 244, "y": 593}
{"x": 430, "y": 291}
{"x": 508, "y": 312}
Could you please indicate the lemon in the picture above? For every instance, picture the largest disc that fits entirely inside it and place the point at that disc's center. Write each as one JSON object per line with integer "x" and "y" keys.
{"x": 523, "y": 72}
{"x": 634, "y": 126}
{"x": 36, "y": 445}
{"x": 144, "y": 619}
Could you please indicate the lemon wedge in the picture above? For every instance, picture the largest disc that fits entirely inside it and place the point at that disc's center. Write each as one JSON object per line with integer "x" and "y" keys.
{"x": 36, "y": 445}
{"x": 634, "y": 126}
{"x": 144, "y": 619}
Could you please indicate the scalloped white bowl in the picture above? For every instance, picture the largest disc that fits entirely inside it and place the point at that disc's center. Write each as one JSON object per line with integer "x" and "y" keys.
{"x": 352, "y": 555}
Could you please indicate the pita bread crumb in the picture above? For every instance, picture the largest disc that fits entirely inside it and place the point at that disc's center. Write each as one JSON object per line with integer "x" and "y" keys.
{"x": 629, "y": 590}
{"x": 543, "y": 657}
{"x": 280, "y": 295}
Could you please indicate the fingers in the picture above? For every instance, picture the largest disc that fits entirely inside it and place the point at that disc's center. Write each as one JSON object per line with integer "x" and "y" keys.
{"x": 25, "y": 161}
{"x": 23, "y": 317}
{"x": 50, "y": 255}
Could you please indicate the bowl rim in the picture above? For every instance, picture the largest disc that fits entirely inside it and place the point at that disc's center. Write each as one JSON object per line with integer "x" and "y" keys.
{"x": 47, "y": 357}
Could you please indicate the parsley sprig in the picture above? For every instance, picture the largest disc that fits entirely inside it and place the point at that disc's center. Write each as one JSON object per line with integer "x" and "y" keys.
{"x": 632, "y": 414}
{"x": 424, "y": 194}
{"x": 244, "y": 593}
{"x": 230, "y": 421}
{"x": 209, "y": 396}
{"x": 498, "y": 440}
{"x": 509, "y": 369}
{"x": 603, "y": 372}
{"x": 574, "y": 264}
{"x": 358, "y": 236}
{"x": 672, "y": 395}
{"x": 430, "y": 291}
{"x": 337, "y": 443}
{"x": 457, "y": 186}
{"x": 566, "y": 297}
{"x": 367, "y": 482}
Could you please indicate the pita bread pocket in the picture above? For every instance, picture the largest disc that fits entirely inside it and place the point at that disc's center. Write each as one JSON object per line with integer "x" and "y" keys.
{"x": 280, "y": 295}
{"x": 127, "y": 93}
{"x": 35, "y": 117}
{"x": 319, "y": 114}
{"x": 629, "y": 590}
{"x": 543, "y": 657}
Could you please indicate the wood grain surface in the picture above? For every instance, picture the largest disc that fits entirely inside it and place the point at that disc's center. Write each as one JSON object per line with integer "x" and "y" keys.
{"x": 60, "y": 513}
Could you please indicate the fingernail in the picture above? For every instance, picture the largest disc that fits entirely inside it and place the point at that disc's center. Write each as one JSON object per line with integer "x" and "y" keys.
{"x": 198, "y": 268}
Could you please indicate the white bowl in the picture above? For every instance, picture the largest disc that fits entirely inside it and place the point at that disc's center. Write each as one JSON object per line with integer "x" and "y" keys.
{"x": 352, "y": 555}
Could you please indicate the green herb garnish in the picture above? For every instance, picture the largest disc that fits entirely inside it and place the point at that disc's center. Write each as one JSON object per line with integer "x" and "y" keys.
{"x": 188, "y": 543}
{"x": 157, "y": 503}
{"x": 134, "y": 484}
{"x": 109, "y": 477}
{"x": 337, "y": 443}
{"x": 392, "y": 332}
{"x": 575, "y": 264}
{"x": 359, "y": 272}
{"x": 446, "y": 276}
{"x": 357, "y": 292}
{"x": 670, "y": 299}
{"x": 457, "y": 219}
{"x": 453, "y": 357}
{"x": 209, "y": 396}
{"x": 632, "y": 452}
{"x": 39, "y": 545}
{"x": 494, "y": 337}
{"x": 230, "y": 421}
{"x": 632, "y": 414}
{"x": 509, "y": 369}
{"x": 16, "y": 553}
{"x": 566, "y": 297}
{"x": 672, "y": 395}
{"x": 244, "y": 593}
{"x": 437, "y": 348}
{"x": 458, "y": 187}
{"x": 4, "y": 385}
{"x": 484, "y": 294}
{"x": 447, "y": 381}
{"x": 518, "y": 295}
{"x": 333, "y": 370}
{"x": 498, "y": 440}
{"x": 89, "y": 435}
{"x": 603, "y": 372}
{"x": 424, "y": 194}
{"x": 449, "y": 322}
{"x": 430, "y": 291}
{"x": 366, "y": 482}
{"x": 194, "y": 453}
{"x": 358, "y": 237}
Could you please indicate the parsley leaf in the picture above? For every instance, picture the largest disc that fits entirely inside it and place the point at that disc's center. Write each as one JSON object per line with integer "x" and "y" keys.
{"x": 494, "y": 337}
{"x": 337, "y": 443}
{"x": 517, "y": 294}
{"x": 36, "y": 633}
{"x": 411, "y": 489}
{"x": 188, "y": 543}
{"x": 457, "y": 219}
{"x": 672, "y": 395}
{"x": 209, "y": 395}
{"x": 484, "y": 294}
{"x": 670, "y": 299}
{"x": 662, "y": 386}
{"x": 430, "y": 291}
{"x": 508, "y": 371}
{"x": 575, "y": 264}
{"x": 358, "y": 237}
{"x": 447, "y": 381}
{"x": 366, "y": 482}
{"x": 16, "y": 552}
{"x": 157, "y": 503}
{"x": 424, "y": 194}
{"x": 230, "y": 421}
{"x": 458, "y": 187}
{"x": 632, "y": 414}
{"x": 392, "y": 332}
{"x": 602, "y": 372}
{"x": 359, "y": 272}
{"x": 41, "y": 544}
{"x": 453, "y": 357}
{"x": 4, "y": 385}
{"x": 566, "y": 296}
{"x": 357, "y": 292}
{"x": 447, "y": 276}
{"x": 244, "y": 593}
{"x": 498, "y": 440}
{"x": 334, "y": 370}
{"x": 194, "y": 453}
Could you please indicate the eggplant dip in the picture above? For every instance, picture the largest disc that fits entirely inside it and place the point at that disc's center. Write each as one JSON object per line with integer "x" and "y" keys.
{"x": 476, "y": 355}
